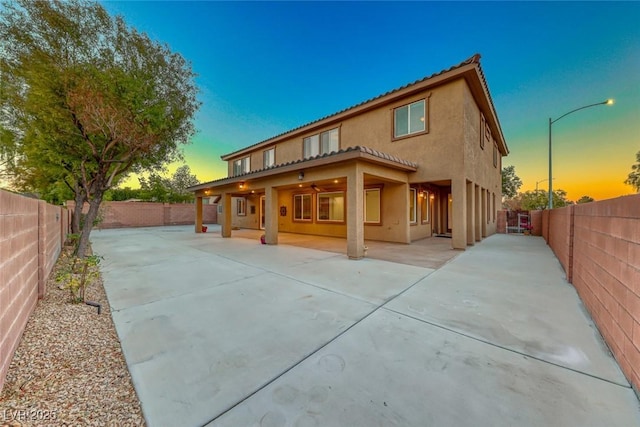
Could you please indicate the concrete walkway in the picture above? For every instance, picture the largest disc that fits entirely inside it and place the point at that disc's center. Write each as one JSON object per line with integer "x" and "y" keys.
{"x": 228, "y": 332}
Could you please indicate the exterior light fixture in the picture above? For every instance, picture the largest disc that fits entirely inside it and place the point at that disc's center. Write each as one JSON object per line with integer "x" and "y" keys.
{"x": 335, "y": 181}
{"x": 550, "y": 179}
{"x": 241, "y": 185}
{"x": 432, "y": 197}
{"x": 301, "y": 175}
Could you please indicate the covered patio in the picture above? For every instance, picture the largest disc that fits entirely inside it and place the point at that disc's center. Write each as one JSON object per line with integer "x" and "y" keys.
{"x": 357, "y": 194}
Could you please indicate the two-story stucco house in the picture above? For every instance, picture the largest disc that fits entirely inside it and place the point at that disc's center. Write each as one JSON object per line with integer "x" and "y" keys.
{"x": 418, "y": 161}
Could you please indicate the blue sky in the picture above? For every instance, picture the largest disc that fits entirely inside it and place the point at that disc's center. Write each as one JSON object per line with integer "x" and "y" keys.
{"x": 267, "y": 67}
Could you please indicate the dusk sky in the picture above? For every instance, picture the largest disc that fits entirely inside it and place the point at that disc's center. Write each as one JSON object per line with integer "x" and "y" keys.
{"x": 266, "y": 67}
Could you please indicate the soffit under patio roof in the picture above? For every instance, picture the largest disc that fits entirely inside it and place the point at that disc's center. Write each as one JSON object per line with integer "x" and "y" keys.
{"x": 350, "y": 153}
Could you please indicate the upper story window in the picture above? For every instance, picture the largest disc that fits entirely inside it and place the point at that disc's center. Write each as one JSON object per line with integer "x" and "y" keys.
{"x": 241, "y": 166}
{"x": 323, "y": 143}
{"x": 483, "y": 125}
{"x": 269, "y": 158}
{"x": 409, "y": 119}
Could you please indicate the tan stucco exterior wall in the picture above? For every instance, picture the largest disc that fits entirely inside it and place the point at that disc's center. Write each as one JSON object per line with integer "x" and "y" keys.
{"x": 451, "y": 164}
{"x": 439, "y": 152}
{"x": 479, "y": 167}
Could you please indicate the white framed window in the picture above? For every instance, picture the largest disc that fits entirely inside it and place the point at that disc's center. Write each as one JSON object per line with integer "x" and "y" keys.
{"x": 493, "y": 205}
{"x": 241, "y": 166}
{"x": 424, "y": 204}
{"x": 269, "y": 158}
{"x": 302, "y": 207}
{"x": 329, "y": 141}
{"x": 483, "y": 125}
{"x": 372, "y": 206}
{"x": 311, "y": 146}
{"x": 323, "y": 143}
{"x": 241, "y": 206}
{"x": 409, "y": 119}
{"x": 331, "y": 206}
{"x": 412, "y": 205}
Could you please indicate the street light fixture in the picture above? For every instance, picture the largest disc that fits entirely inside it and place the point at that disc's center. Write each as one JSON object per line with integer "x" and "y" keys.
{"x": 550, "y": 179}
{"x": 542, "y": 180}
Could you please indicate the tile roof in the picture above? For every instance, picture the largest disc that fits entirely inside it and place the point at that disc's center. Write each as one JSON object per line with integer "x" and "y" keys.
{"x": 475, "y": 59}
{"x": 356, "y": 149}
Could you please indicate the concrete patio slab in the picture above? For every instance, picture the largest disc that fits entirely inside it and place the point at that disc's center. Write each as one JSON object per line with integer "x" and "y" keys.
{"x": 392, "y": 370}
{"x": 427, "y": 253}
{"x": 196, "y": 355}
{"x": 511, "y": 292}
{"x": 230, "y": 332}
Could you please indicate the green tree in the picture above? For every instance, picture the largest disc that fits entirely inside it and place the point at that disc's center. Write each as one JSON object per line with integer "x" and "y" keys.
{"x": 511, "y": 183}
{"x": 539, "y": 199}
{"x": 180, "y": 181}
{"x": 633, "y": 179}
{"x": 585, "y": 199}
{"x": 122, "y": 194}
{"x": 157, "y": 188}
{"x": 88, "y": 99}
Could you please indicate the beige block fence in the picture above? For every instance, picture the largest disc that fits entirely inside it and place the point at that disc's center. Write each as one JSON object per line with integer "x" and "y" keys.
{"x": 598, "y": 245}
{"x": 32, "y": 234}
{"x": 149, "y": 214}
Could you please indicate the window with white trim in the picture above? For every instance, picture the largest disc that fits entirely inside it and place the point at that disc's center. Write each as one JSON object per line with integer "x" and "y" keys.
{"x": 241, "y": 166}
{"x": 412, "y": 205}
{"x": 409, "y": 119}
{"x": 424, "y": 206}
{"x": 302, "y": 207}
{"x": 372, "y": 206}
{"x": 331, "y": 206}
{"x": 241, "y": 206}
{"x": 269, "y": 158}
{"x": 323, "y": 143}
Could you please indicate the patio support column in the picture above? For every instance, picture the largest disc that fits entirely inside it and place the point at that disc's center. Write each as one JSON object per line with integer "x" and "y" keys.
{"x": 403, "y": 202}
{"x": 271, "y": 216}
{"x": 225, "y": 229}
{"x": 198, "y": 214}
{"x": 485, "y": 196}
{"x": 477, "y": 209}
{"x": 459, "y": 214}
{"x": 469, "y": 214}
{"x": 355, "y": 209}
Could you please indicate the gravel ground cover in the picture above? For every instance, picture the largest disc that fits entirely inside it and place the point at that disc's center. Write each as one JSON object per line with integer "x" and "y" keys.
{"x": 69, "y": 369}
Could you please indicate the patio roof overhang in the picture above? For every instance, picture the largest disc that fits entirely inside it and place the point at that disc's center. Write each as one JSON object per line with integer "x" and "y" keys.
{"x": 351, "y": 153}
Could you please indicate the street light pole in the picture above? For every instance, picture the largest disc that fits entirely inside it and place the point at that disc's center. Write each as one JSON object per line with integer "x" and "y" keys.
{"x": 607, "y": 102}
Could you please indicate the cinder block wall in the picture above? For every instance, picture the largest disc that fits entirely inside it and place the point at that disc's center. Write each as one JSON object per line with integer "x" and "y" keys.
{"x": 536, "y": 222}
{"x": 31, "y": 237}
{"x": 559, "y": 236}
{"x": 150, "y": 214}
{"x": 606, "y": 274}
{"x": 604, "y": 258}
{"x": 501, "y": 223}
